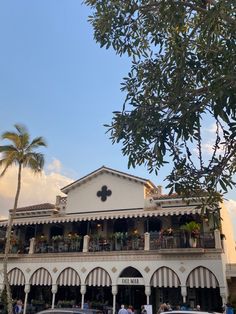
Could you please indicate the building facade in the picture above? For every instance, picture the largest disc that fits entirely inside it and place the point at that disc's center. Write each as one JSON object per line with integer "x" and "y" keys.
{"x": 115, "y": 238}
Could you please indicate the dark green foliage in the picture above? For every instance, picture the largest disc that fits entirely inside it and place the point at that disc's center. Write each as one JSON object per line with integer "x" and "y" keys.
{"x": 183, "y": 78}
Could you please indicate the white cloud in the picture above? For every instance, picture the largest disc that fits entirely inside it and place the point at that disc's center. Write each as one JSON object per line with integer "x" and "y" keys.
{"x": 35, "y": 189}
{"x": 55, "y": 166}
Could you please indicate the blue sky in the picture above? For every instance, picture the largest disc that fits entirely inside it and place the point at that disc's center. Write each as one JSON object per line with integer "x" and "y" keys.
{"x": 57, "y": 81}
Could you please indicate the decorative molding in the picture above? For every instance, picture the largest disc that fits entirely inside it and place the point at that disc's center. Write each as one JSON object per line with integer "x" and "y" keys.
{"x": 182, "y": 269}
{"x": 147, "y": 269}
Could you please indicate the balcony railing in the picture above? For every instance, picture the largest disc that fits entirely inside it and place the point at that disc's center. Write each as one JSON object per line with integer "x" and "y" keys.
{"x": 149, "y": 241}
{"x": 58, "y": 246}
{"x": 181, "y": 240}
{"x": 123, "y": 244}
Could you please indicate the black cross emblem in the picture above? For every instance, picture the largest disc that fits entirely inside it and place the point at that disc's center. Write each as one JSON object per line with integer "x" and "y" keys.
{"x": 104, "y": 193}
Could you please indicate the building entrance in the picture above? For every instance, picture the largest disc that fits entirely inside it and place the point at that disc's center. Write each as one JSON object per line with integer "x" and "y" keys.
{"x": 131, "y": 295}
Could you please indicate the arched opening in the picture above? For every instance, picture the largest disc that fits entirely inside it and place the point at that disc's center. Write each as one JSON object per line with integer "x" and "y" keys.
{"x": 203, "y": 289}
{"x": 68, "y": 293}
{"x": 131, "y": 290}
{"x": 98, "y": 290}
{"x": 17, "y": 283}
{"x": 40, "y": 295}
{"x": 165, "y": 288}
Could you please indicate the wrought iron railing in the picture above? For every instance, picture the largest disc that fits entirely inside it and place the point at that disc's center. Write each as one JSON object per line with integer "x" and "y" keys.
{"x": 181, "y": 240}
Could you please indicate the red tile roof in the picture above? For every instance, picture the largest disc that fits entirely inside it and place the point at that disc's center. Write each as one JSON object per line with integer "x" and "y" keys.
{"x": 36, "y": 207}
{"x": 167, "y": 196}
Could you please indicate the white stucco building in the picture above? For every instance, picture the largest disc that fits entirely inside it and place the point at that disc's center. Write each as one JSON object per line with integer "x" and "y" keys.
{"x": 114, "y": 238}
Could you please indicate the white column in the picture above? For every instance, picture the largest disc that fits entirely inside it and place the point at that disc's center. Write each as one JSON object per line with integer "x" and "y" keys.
{"x": 224, "y": 295}
{"x": 114, "y": 291}
{"x": 32, "y": 245}
{"x": 1, "y": 288}
{"x": 86, "y": 243}
{"x": 184, "y": 293}
{"x": 54, "y": 291}
{"x": 148, "y": 292}
{"x": 27, "y": 290}
{"x": 146, "y": 241}
{"x": 217, "y": 239}
{"x": 82, "y": 291}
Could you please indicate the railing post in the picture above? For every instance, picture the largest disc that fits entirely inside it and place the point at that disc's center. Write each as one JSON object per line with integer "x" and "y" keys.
{"x": 147, "y": 241}
{"x": 217, "y": 239}
{"x": 32, "y": 246}
{"x": 86, "y": 243}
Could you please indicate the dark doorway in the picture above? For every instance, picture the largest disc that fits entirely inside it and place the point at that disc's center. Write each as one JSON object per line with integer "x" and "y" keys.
{"x": 131, "y": 295}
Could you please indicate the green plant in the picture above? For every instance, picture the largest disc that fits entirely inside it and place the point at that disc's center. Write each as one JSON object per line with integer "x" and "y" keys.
{"x": 192, "y": 227}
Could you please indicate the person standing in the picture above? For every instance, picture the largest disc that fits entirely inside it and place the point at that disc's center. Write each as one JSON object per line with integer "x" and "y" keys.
{"x": 130, "y": 309}
{"x": 229, "y": 309}
{"x": 123, "y": 310}
{"x": 18, "y": 308}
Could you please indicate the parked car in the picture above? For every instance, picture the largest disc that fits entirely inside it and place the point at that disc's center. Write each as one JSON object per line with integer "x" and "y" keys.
{"x": 74, "y": 310}
{"x": 190, "y": 312}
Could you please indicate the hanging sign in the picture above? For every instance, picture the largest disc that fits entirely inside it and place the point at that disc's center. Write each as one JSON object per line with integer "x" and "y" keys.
{"x": 131, "y": 281}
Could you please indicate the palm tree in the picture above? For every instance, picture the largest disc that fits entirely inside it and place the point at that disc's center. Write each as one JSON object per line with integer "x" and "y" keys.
{"x": 21, "y": 152}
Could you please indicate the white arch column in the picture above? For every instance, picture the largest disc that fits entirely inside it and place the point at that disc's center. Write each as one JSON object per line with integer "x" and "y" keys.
{"x": 27, "y": 290}
{"x": 82, "y": 291}
{"x": 54, "y": 291}
{"x": 184, "y": 293}
{"x": 1, "y": 288}
{"x": 114, "y": 291}
{"x": 224, "y": 295}
{"x": 148, "y": 292}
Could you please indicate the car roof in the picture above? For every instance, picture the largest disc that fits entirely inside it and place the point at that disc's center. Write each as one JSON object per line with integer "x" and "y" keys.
{"x": 70, "y": 310}
{"x": 189, "y": 312}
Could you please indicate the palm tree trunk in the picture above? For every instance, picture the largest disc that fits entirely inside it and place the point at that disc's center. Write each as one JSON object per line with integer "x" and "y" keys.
{"x": 8, "y": 242}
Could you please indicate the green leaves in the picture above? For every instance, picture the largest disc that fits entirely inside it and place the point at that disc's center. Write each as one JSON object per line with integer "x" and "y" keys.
{"x": 182, "y": 76}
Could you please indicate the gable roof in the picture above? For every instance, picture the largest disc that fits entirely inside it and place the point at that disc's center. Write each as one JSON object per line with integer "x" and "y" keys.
{"x": 103, "y": 169}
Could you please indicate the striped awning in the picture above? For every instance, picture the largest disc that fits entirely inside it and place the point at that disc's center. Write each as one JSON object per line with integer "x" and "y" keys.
{"x": 116, "y": 214}
{"x": 202, "y": 277}
{"x": 165, "y": 277}
{"x": 98, "y": 277}
{"x": 41, "y": 277}
{"x": 16, "y": 277}
{"x": 68, "y": 277}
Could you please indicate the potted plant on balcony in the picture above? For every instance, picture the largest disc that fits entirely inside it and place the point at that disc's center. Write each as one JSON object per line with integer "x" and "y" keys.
{"x": 14, "y": 244}
{"x": 193, "y": 229}
{"x": 118, "y": 236}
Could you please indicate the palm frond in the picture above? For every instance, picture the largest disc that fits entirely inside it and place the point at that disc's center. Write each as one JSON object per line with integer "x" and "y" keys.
{"x": 38, "y": 141}
{"x": 7, "y": 148}
{"x": 11, "y": 136}
{"x": 21, "y": 128}
{"x": 6, "y": 163}
{"x": 35, "y": 161}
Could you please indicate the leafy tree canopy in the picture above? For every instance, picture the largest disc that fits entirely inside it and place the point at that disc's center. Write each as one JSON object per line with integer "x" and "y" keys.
{"x": 182, "y": 78}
